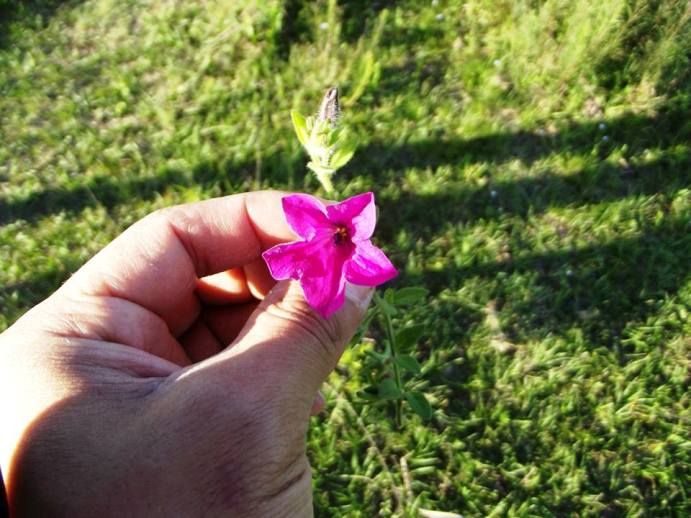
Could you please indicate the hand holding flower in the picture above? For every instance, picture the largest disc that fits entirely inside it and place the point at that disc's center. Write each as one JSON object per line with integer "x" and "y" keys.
{"x": 154, "y": 383}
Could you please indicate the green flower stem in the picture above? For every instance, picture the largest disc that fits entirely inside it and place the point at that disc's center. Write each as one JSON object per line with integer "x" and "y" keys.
{"x": 388, "y": 327}
{"x": 325, "y": 180}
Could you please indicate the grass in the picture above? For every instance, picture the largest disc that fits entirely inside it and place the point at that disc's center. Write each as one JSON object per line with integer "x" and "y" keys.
{"x": 532, "y": 165}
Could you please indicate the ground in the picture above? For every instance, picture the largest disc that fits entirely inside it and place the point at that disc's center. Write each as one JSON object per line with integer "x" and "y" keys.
{"x": 531, "y": 161}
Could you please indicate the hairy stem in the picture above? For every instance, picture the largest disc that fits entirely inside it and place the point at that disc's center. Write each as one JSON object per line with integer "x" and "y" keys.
{"x": 325, "y": 180}
{"x": 391, "y": 336}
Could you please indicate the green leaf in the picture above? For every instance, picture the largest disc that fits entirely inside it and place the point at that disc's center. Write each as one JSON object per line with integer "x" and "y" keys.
{"x": 410, "y": 295}
{"x": 418, "y": 402}
{"x": 380, "y": 357}
{"x": 344, "y": 152}
{"x": 408, "y": 337}
{"x": 407, "y": 362}
{"x": 388, "y": 390}
{"x": 368, "y": 393}
{"x": 387, "y": 308}
{"x": 300, "y": 126}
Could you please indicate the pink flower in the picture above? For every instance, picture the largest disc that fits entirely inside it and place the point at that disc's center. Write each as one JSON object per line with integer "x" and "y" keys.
{"x": 336, "y": 248}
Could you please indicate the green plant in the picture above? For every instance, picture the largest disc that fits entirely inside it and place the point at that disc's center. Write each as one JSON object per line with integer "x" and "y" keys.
{"x": 328, "y": 143}
{"x": 329, "y": 146}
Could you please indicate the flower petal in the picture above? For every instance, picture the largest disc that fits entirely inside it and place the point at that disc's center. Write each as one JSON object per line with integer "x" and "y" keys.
{"x": 359, "y": 212}
{"x": 305, "y": 214}
{"x": 322, "y": 262}
{"x": 288, "y": 260}
{"x": 324, "y": 288}
{"x": 369, "y": 266}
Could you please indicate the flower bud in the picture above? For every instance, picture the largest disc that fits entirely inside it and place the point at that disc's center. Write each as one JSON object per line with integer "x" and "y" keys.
{"x": 330, "y": 108}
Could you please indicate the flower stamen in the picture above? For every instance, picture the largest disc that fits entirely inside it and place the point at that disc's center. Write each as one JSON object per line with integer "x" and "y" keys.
{"x": 341, "y": 235}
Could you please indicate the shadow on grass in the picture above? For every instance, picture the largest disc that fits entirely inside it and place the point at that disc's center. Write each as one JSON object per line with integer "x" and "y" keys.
{"x": 601, "y": 287}
{"x": 105, "y": 191}
{"x": 358, "y": 16}
{"x": 28, "y": 11}
{"x": 620, "y": 264}
{"x": 410, "y": 76}
{"x": 530, "y": 195}
{"x": 29, "y": 292}
{"x": 637, "y": 131}
{"x": 613, "y": 285}
{"x": 377, "y": 160}
{"x": 294, "y": 28}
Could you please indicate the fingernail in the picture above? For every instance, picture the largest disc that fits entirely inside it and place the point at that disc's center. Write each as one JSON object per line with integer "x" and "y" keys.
{"x": 359, "y": 295}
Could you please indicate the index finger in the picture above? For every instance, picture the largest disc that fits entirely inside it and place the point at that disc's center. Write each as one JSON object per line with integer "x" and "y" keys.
{"x": 157, "y": 261}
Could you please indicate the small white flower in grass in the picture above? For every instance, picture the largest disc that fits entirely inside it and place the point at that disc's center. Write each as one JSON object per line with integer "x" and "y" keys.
{"x": 323, "y": 26}
{"x": 497, "y": 63}
{"x": 601, "y": 126}
{"x": 439, "y": 17}
{"x": 605, "y": 138}
{"x": 493, "y": 194}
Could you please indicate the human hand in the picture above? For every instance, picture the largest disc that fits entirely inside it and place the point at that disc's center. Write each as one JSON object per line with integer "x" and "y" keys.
{"x": 154, "y": 382}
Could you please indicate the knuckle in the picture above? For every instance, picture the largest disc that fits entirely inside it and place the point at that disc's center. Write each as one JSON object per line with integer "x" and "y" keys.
{"x": 155, "y": 218}
{"x": 163, "y": 213}
{"x": 300, "y": 319}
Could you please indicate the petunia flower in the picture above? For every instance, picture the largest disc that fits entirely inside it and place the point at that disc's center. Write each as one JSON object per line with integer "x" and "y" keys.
{"x": 335, "y": 248}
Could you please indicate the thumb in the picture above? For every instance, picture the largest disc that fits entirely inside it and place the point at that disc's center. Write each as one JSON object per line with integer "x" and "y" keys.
{"x": 292, "y": 346}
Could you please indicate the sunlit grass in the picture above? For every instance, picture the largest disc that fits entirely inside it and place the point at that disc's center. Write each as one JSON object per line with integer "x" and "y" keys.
{"x": 531, "y": 162}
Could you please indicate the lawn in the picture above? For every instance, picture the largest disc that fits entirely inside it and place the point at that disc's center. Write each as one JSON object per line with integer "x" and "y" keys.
{"x": 532, "y": 166}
